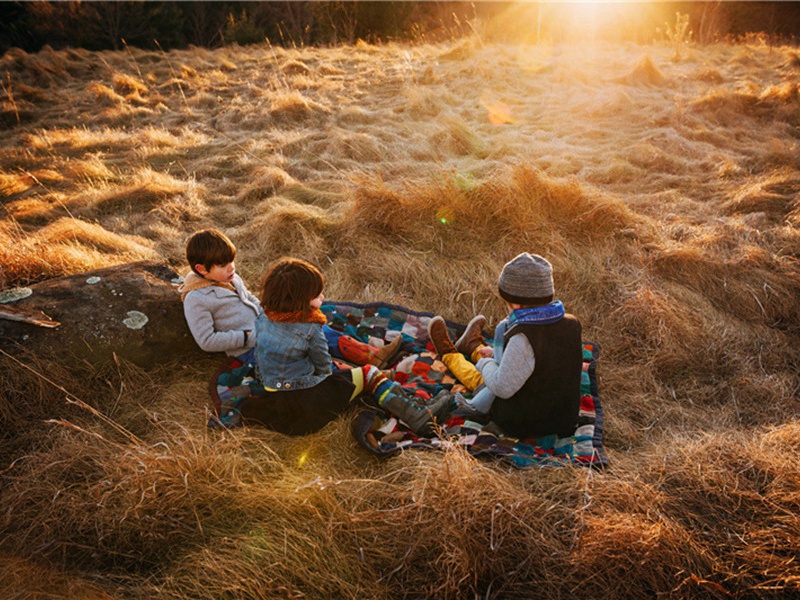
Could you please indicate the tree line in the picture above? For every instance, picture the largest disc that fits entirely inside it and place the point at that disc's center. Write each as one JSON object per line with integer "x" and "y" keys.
{"x": 112, "y": 24}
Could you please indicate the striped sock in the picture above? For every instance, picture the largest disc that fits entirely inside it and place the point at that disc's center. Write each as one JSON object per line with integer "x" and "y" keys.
{"x": 372, "y": 377}
{"x": 383, "y": 390}
{"x": 377, "y": 384}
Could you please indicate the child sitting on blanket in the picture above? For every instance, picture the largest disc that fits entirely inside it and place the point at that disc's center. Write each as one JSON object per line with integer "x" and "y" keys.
{"x": 295, "y": 367}
{"x": 221, "y": 312}
{"x": 532, "y": 382}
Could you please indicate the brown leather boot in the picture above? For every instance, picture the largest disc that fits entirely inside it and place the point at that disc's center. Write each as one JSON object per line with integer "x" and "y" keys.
{"x": 381, "y": 357}
{"x": 472, "y": 336}
{"x": 440, "y": 337}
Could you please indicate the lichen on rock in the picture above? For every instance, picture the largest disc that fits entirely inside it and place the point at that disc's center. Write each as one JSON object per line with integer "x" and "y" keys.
{"x": 14, "y": 294}
{"x": 135, "y": 320}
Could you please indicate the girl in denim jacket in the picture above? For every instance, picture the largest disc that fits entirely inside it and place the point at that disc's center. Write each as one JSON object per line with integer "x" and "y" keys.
{"x": 295, "y": 365}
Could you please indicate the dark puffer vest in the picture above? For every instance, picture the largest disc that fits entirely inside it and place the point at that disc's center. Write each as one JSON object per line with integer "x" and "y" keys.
{"x": 549, "y": 401}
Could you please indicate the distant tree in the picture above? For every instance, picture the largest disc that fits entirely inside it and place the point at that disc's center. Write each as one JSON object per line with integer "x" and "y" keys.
{"x": 337, "y": 21}
{"x": 100, "y": 25}
{"x": 286, "y": 23}
{"x": 242, "y": 29}
{"x": 16, "y": 28}
{"x": 712, "y": 22}
{"x": 205, "y": 22}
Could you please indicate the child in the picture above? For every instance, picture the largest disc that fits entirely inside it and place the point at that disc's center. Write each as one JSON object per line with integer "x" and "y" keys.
{"x": 295, "y": 367}
{"x": 536, "y": 377}
{"x": 219, "y": 309}
{"x": 221, "y": 312}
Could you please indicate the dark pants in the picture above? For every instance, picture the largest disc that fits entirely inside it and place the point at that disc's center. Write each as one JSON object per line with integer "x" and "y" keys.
{"x": 298, "y": 412}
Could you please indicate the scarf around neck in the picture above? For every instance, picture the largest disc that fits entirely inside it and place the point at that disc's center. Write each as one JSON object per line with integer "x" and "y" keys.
{"x": 537, "y": 315}
{"x": 193, "y": 281}
{"x": 315, "y": 316}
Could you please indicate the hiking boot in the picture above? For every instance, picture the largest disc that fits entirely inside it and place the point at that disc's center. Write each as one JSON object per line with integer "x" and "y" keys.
{"x": 442, "y": 404}
{"x": 412, "y": 411}
{"x": 382, "y": 356}
{"x": 440, "y": 338}
{"x": 472, "y": 337}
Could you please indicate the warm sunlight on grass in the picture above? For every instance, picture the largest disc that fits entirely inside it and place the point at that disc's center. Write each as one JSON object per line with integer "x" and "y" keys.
{"x": 660, "y": 178}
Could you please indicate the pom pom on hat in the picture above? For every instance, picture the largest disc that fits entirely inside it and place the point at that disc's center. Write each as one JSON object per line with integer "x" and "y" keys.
{"x": 526, "y": 279}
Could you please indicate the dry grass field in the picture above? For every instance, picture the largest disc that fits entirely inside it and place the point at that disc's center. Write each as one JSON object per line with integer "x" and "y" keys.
{"x": 663, "y": 183}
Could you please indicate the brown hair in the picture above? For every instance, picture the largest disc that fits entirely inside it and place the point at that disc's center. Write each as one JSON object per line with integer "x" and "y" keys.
{"x": 208, "y": 248}
{"x": 290, "y": 285}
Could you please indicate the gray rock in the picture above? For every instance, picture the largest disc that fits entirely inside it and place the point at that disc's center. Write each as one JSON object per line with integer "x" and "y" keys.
{"x": 133, "y": 310}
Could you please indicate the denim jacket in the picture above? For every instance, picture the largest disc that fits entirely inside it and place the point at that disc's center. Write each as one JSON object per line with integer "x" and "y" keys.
{"x": 291, "y": 356}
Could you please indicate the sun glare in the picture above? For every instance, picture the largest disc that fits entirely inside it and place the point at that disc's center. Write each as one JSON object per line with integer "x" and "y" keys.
{"x": 583, "y": 20}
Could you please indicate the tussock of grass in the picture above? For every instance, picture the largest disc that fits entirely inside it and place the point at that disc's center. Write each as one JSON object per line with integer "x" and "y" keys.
{"x": 30, "y": 93}
{"x": 360, "y": 147}
{"x": 518, "y": 202}
{"x": 329, "y": 69}
{"x": 76, "y": 139}
{"x": 774, "y": 195}
{"x": 666, "y": 327}
{"x": 15, "y": 183}
{"x": 64, "y": 247}
{"x": 92, "y": 169}
{"x": 30, "y": 580}
{"x": 203, "y": 100}
{"x": 147, "y": 190}
{"x": 66, "y": 230}
{"x": 423, "y": 104}
{"x": 355, "y": 115}
{"x": 103, "y": 95}
{"x": 775, "y": 102}
{"x": 460, "y": 51}
{"x": 265, "y": 182}
{"x": 457, "y": 137}
{"x": 125, "y": 84}
{"x": 227, "y": 65}
{"x": 751, "y": 285}
{"x": 644, "y": 73}
{"x": 286, "y": 227}
{"x": 710, "y": 75}
{"x": 293, "y": 105}
{"x": 295, "y": 67}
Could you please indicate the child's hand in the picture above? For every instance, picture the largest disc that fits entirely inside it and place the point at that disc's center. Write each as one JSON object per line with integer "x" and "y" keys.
{"x": 485, "y": 351}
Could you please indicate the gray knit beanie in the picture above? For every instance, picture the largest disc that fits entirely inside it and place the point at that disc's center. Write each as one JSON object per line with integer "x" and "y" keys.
{"x": 526, "y": 279}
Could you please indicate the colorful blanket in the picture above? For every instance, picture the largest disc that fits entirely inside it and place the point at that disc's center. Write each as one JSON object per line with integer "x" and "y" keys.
{"x": 420, "y": 372}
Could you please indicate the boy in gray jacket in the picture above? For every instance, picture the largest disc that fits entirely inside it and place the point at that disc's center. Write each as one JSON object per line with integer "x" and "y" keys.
{"x": 219, "y": 309}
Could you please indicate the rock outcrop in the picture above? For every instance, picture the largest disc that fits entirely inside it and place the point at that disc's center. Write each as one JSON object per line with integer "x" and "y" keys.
{"x": 132, "y": 310}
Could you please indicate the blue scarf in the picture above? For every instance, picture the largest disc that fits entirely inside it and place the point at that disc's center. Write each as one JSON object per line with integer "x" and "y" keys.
{"x": 537, "y": 315}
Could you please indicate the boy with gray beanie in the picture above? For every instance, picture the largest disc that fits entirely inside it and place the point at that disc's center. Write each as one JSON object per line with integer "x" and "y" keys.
{"x": 532, "y": 377}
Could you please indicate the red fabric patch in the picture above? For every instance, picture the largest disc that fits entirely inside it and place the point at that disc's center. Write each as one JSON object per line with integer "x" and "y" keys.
{"x": 421, "y": 369}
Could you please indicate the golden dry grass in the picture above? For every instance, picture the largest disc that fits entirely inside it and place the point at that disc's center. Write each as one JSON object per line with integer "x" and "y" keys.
{"x": 664, "y": 192}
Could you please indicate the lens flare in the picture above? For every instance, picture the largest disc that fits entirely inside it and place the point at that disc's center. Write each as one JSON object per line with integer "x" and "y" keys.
{"x": 499, "y": 113}
{"x": 445, "y": 215}
{"x": 303, "y": 458}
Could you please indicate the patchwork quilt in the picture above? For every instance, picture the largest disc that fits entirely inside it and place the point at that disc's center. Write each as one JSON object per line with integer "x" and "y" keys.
{"x": 420, "y": 372}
